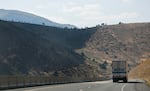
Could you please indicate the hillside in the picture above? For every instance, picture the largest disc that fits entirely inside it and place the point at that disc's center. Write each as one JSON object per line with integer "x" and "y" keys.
{"x": 42, "y": 50}
{"x": 142, "y": 71}
{"x": 127, "y": 41}
{"x": 22, "y": 51}
{"x": 78, "y": 53}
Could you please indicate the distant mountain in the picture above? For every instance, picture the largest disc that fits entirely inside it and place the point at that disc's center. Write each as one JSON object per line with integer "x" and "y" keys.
{"x": 19, "y": 16}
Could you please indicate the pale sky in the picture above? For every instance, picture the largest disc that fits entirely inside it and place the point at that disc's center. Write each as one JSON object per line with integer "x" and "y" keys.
{"x": 83, "y": 13}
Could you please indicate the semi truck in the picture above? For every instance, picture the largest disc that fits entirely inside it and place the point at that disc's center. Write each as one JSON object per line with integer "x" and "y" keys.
{"x": 120, "y": 70}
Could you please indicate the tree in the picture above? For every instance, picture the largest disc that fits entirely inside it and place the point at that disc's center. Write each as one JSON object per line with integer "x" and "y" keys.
{"x": 104, "y": 65}
{"x": 82, "y": 54}
{"x": 98, "y": 25}
{"x": 120, "y": 22}
{"x": 102, "y": 24}
{"x": 55, "y": 73}
{"x": 43, "y": 23}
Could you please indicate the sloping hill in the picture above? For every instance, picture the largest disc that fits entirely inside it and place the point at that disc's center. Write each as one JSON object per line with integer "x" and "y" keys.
{"x": 142, "y": 71}
{"x": 127, "y": 41}
{"x": 22, "y": 51}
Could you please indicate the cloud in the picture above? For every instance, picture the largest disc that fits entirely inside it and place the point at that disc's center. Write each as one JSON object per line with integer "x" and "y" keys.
{"x": 82, "y": 9}
{"x": 121, "y": 16}
{"x": 92, "y": 14}
{"x": 111, "y": 19}
{"x": 126, "y": 1}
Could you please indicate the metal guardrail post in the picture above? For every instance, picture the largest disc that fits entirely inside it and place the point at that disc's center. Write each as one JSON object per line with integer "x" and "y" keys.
{"x": 8, "y": 82}
{"x": 29, "y": 80}
{"x": 24, "y": 84}
{"x": 0, "y": 82}
{"x": 16, "y": 81}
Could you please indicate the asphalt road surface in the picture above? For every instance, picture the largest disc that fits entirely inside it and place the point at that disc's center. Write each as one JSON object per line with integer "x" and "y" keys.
{"x": 132, "y": 85}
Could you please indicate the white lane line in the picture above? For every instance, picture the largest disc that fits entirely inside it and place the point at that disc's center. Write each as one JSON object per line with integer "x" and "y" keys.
{"x": 123, "y": 87}
{"x": 81, "y": 90}
{"x": 101, "y": 82}
{"x": 89, "y": 86}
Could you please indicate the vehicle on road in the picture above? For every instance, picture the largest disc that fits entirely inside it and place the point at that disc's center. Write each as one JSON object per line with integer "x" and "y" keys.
{"x": 120, "y": 70}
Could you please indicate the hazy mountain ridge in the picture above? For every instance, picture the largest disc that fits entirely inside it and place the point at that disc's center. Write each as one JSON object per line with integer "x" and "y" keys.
{"x": 19, "y": 16}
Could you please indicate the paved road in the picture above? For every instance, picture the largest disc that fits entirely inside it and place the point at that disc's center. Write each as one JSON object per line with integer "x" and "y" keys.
{"x": 132, "y": 85}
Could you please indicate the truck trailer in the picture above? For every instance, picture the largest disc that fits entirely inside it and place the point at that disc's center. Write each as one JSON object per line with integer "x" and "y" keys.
{"x": 119, "y": 70}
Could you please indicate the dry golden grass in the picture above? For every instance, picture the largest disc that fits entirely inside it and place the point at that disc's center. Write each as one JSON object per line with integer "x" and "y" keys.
{"x": 142, "y": 71}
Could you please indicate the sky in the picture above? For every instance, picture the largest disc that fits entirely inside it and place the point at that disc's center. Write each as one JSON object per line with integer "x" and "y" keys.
{"x": 84, "y": 13}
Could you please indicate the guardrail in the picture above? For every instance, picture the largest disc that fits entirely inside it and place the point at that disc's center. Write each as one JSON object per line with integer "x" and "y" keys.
{"x": 18, "y": 81}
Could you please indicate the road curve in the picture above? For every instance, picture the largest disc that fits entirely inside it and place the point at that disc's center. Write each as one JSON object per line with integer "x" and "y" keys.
{"x": 132, "y": 85}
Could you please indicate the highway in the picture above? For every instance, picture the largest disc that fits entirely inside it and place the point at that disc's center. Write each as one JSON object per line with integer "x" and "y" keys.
{"x": 132, "y": 85}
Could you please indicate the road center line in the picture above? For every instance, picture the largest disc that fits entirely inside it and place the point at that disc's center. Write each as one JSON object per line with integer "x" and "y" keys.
{"x": 123, "y": 87}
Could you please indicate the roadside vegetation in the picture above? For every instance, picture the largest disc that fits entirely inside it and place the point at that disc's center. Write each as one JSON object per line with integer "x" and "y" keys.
{"x": 142, "y": 71}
